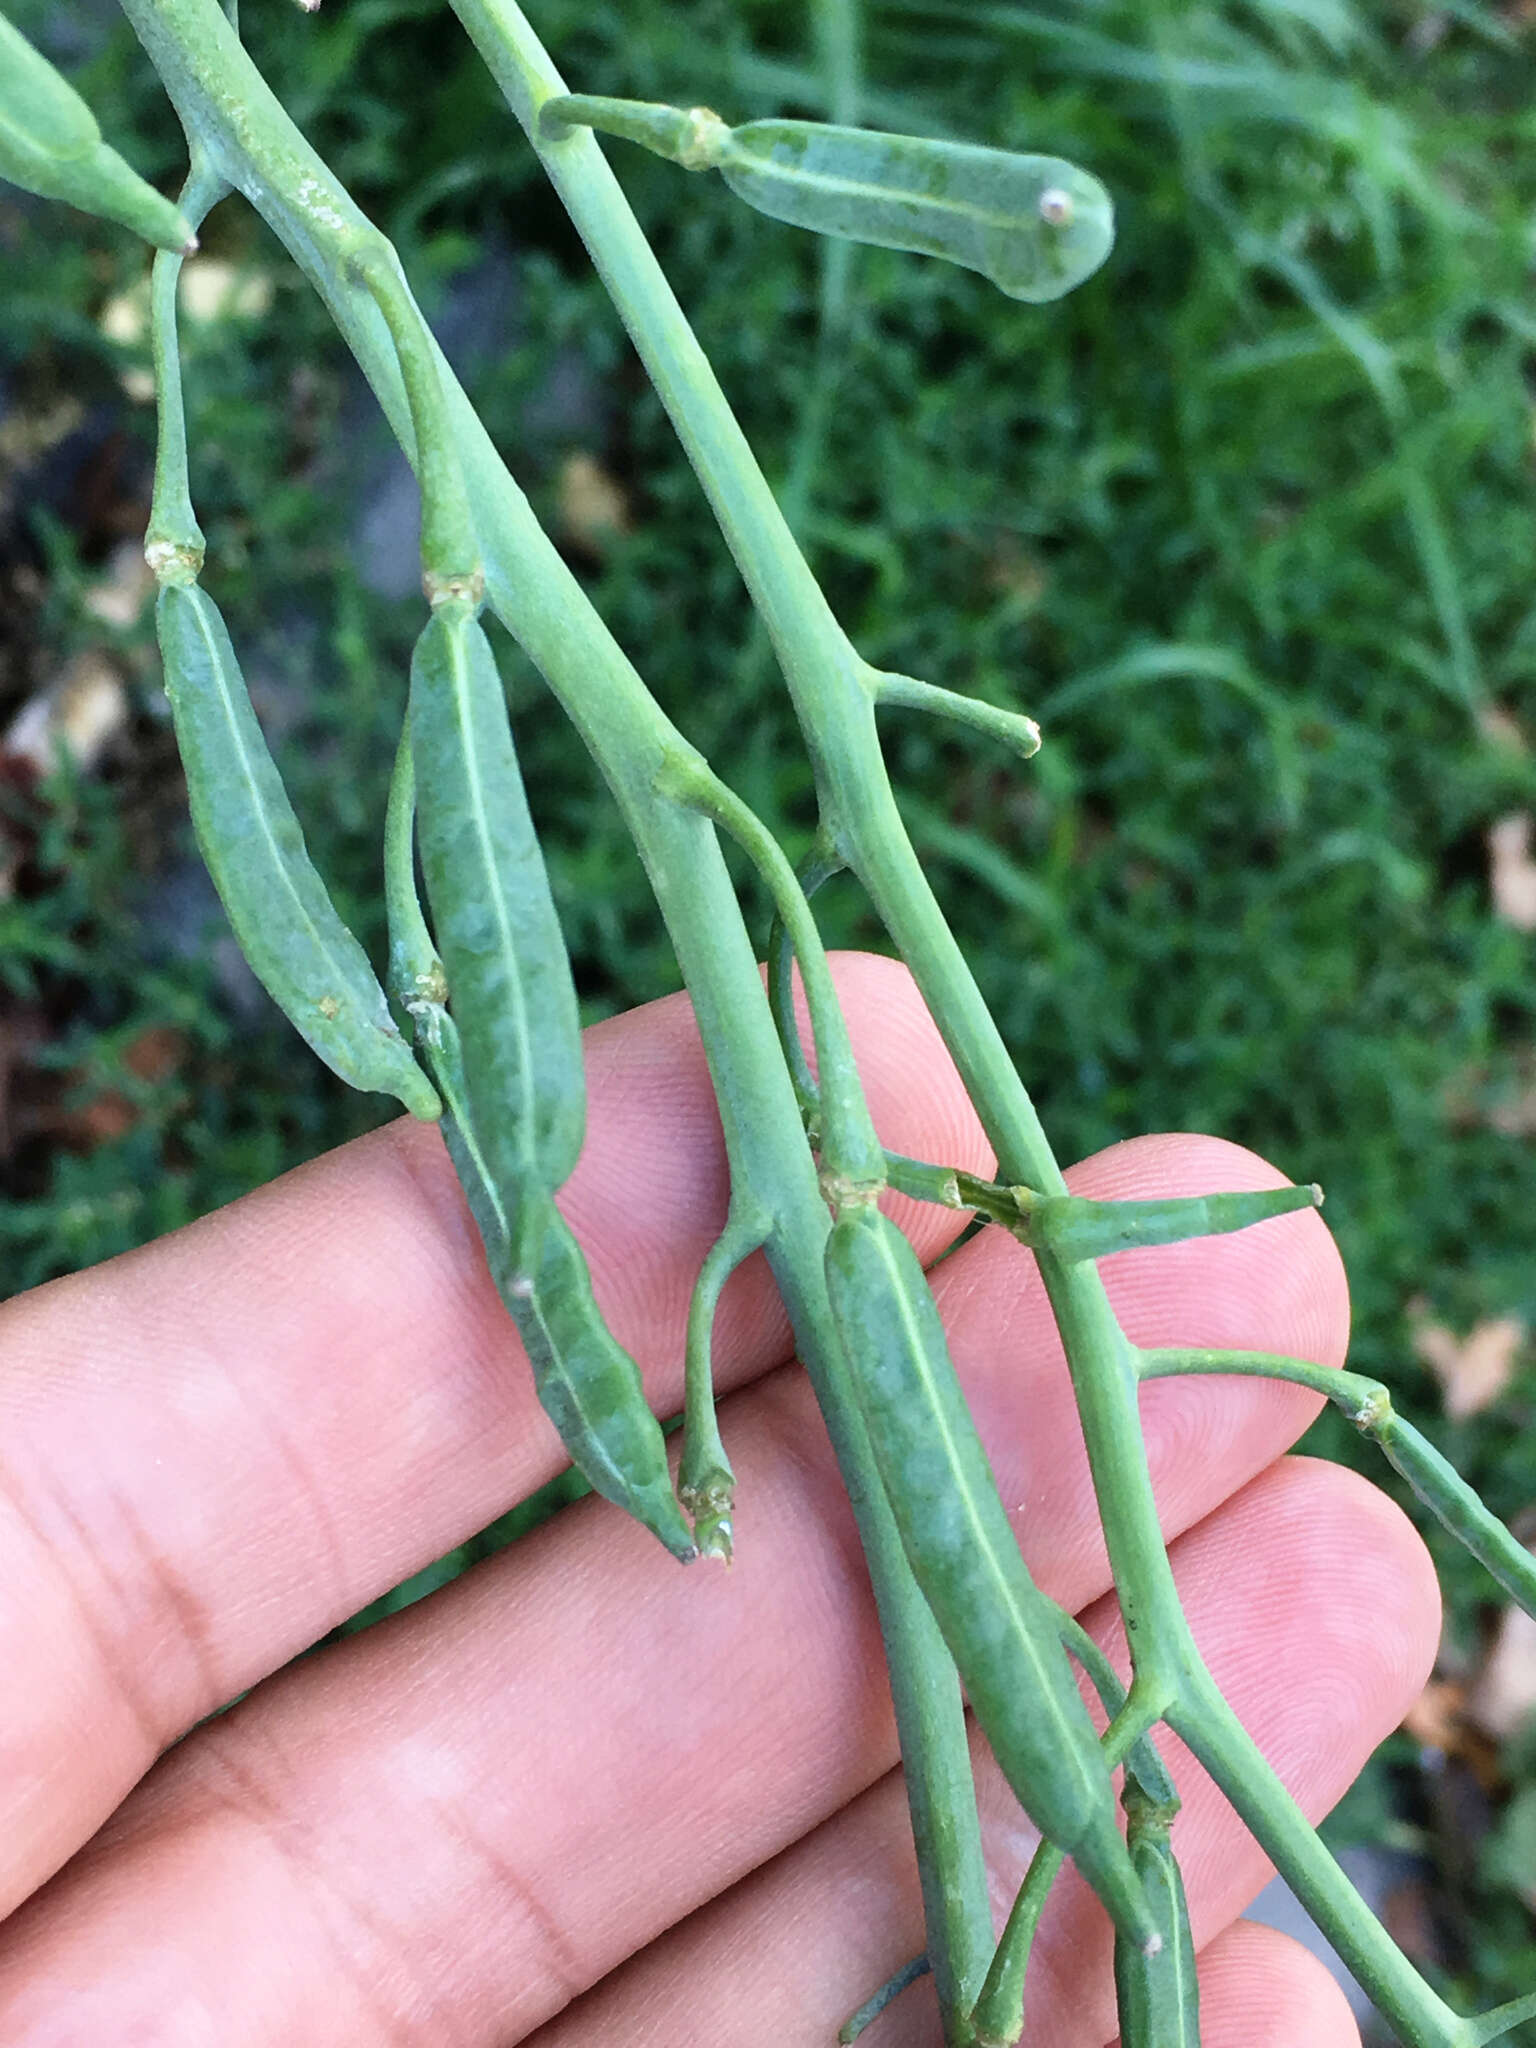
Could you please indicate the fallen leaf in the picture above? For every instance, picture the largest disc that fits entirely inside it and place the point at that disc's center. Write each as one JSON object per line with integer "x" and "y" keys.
{"x": 212, "y": 289}
{"x": 1473, "y": 1370}
{"x": 80, "y": 712}
{"x": 119, "y": 597}
{"x": 1501, "y": 728}
{"x": 1512, "y": 872}
{"x": 593, "y": 506}
{"x": 1503, "y": 1696}
{"x": 153, "y": 1056}
{"x": 1434, "y": 1720}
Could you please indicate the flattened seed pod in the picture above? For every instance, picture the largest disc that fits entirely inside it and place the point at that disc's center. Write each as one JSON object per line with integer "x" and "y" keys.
{"x": 1159, "y": 1995}
{"x": 588, "y": 1384}
{"x": 1035, "y": 225}
{"x": 1073, "y": 1227}
{"x": 39, "y": 110}
{"x": 1002, "y": 1632}
{"x": 287, "y": 926}
{"x": 50, "y": 144}
{"x": 492, "y": 912}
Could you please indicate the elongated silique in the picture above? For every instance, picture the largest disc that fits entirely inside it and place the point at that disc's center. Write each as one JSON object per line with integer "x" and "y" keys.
{"x": 288, "y": 928}
{"x": 1002, "y": 1632}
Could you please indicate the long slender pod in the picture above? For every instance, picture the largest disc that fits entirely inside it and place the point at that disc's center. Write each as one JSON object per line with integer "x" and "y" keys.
{"x": 1002, "y": 1631}
{"x": 587, "y": 1383}
{"x": 1158, "y": 1996}
{"x": 1034, "y": 225}
{"x": 493, "y": 915}
{"x": 278, "y": 906}
{"x": 50, "y": 144}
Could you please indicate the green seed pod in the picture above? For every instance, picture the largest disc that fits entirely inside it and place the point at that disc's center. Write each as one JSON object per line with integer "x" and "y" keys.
{"x": 492, "y": 913}
{"x": 1158, "y": 1995}
{"x": 588, "y": 1384}
{"x": 1002, "y": 1632}
{"x": 1035, "y": 225}
{"x": 50, "y": 144}
{"x": 1074, "y": 1228}
{"x": 287, "y": 926}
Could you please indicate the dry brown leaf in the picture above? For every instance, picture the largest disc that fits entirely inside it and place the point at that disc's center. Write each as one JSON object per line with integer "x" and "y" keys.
{"x": 1501, "y": 728}
{"x": 1435, "y": 1718}
{"x": 1473, "y": 1370}
{"x": 1512, "y": 872}
{"x": 80, "y": 712}
{"x": 1504, "y": 1694}
{"x": 593, "y": 506}
{"x": 120, "y": 595}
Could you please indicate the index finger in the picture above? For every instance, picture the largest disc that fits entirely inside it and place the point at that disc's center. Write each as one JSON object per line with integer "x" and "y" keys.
{"x": 219, "y": 1447}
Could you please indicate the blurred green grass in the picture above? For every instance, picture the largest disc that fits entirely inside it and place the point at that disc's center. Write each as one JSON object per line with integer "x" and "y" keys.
{"x": 1246, "y": 522}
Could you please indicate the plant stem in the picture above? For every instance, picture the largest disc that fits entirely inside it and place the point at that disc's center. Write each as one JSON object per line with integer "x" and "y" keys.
{"x": 1368, "y": 1405}
{"x": 173, "y": 546}
{"x": 1204, "y": 1721}
{"x": 227, "y": 105}
{"x": 834, "y": 694}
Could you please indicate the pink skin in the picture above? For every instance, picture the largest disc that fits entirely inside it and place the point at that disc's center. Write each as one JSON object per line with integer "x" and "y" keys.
{"x": 583, "y": 1796}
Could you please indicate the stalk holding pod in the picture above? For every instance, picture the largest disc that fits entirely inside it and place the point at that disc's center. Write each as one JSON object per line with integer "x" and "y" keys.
{"x": 1036, "y": 226}
{"x": 50, "y": 144}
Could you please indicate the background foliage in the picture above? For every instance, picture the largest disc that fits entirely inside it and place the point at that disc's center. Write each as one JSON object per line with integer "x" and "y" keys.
{"x": 1246, "y": 521}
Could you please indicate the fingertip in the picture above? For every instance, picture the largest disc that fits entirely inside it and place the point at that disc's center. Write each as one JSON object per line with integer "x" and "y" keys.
{"x": 1259, "y": 1988}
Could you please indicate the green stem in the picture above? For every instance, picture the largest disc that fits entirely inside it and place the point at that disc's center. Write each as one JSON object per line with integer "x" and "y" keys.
{"x": 852, "y": 1150}
{"x": 416, "y": 980}
{"x": 173, "y": 545}
{"x": 706, "y": 1482}
{"x": 1219, "y": 1741}
{"x": 833, "y": 692}
{"x": 1494, "y": 2025}
{"x": 819, "y": 866}
{"x": 224, "y": 100}
{"x": 1368, "y": 1405}
{"x": 995, "y": 720}
{"x": 888, "y": 1993}
{"x": 450, "y": 552}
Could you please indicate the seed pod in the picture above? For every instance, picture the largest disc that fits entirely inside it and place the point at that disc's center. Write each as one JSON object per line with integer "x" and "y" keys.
{"x": 1158, "y": 1995}
{"x": 588, "y": 1384}
{"x": 50, "y": 144}
{"x": 1074, "y": 1228}
{"x": 1035, "y": 225}
{"x": 1002, "y": 1632}
{"x": 287, "y": 926}
{"x": 492, "y": 913}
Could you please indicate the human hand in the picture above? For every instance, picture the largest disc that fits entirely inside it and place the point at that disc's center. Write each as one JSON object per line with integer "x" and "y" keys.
{"x": 582, "y": 1796}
